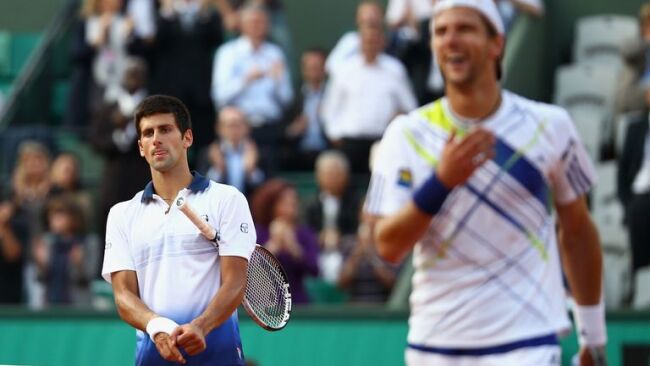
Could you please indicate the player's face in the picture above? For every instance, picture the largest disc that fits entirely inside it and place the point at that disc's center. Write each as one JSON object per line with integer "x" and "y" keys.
{"x": 463, "y": 46}
{"x": 161, "y": 142}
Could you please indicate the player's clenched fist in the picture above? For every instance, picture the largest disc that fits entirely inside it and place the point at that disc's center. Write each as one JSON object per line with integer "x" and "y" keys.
{"x": 167, "y": 349}
{"x": 190, "y": 337}
{"x": 462, "y": 156}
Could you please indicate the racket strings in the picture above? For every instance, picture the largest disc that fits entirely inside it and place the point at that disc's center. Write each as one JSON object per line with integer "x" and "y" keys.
{"x": 265, "y": 290}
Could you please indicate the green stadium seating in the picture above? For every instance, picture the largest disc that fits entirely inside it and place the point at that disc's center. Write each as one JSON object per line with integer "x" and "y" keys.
{"x": 305, "y": 183}
{"x": 322, "y": 292}
{"x": 22, "y": 45}
{"x": 60, "y": 91}
{"x": 5, "y": 52}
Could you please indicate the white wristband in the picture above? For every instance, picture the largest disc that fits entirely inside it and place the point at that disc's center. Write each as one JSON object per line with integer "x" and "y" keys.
{"x": 160, "y": 325}
{"x": 590, "y": 324}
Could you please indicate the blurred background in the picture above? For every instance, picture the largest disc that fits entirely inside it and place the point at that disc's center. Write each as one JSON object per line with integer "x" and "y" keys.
{"x": 71, "y": 73}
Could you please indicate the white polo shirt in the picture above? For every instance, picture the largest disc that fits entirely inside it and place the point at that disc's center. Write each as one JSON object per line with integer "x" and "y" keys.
{"x": 487, "y": 272}
{"x": 177, "y": 268}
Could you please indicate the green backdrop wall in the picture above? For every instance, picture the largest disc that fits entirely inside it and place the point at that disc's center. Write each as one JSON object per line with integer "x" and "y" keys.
{"x": 337, "y": 336}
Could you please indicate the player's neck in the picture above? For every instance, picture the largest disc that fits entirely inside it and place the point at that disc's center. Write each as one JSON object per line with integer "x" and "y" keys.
{"x": 168, "y": 184}
{"x": 474, "y": 102}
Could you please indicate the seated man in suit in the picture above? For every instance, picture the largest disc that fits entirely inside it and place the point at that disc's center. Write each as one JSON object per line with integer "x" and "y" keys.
{"x": 634, "y": 183}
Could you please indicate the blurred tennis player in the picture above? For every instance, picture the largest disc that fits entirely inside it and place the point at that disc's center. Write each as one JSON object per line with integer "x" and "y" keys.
{"x": 472, "y": 178}
{"x": 168, "y": 280}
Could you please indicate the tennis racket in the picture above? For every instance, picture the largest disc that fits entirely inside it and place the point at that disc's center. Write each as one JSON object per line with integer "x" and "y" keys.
{"x": 267, "y": 298}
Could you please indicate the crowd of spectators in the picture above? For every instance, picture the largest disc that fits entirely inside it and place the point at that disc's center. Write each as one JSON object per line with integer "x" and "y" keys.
{"x": 232, "y": 62}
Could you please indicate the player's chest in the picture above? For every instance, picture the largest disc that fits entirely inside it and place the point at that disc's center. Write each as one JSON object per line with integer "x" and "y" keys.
{"x": 160, "y": 225}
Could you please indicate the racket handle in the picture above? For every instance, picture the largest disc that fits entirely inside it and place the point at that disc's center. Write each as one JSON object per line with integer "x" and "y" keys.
{"x": 206, "y": 230}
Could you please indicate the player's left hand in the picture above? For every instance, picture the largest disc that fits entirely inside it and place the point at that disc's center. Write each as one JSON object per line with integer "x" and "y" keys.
{"x": 591, "y": 357}
{"x": 190, "y": 337}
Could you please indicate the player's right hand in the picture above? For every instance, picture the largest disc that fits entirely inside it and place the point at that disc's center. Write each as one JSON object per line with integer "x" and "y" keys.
{"x": 167, "y": 349}
{"x": 461, "y": 157}
{"x": 190, "y": 337}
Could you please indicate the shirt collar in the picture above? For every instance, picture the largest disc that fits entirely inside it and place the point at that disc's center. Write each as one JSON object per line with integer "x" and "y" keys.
{"x": 199, "y": 184}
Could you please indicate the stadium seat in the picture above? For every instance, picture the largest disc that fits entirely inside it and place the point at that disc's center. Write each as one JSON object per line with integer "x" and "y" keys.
{"x": 587, "y": 91}
{"x": 598, "y": 38}
{"x": 617, "y": 280}
{"x": 604, "y": 192}
{"x": 322, "y": 292}
{"x": 5, "y": 53}
{"x": 60, "y": 92}
{"x": 608, "y": 217}
{"x": 642, "y": 289}
{"x": 22, "y": 45}
{"x": 305, "y": 183}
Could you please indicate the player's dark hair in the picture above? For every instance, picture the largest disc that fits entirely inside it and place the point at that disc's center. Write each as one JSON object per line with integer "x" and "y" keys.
{"x": 163, "y": 104}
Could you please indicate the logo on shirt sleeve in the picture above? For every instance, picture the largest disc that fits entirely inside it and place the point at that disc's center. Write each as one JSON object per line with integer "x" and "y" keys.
{"x": 244, "y": 228}
{"x": 405, "y": 178}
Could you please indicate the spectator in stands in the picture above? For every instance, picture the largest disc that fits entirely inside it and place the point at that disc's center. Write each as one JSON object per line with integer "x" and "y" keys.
{"x": 30, "y": 187}
{"x": 634, "y": 183}
{"x": 31, "y": 182}
{"x": 305, "y": 134}
{"x": 332, "y": 213}
{"x": 408, "y": 21}
{"x": 233, "y": 158}
{"x": 143, "y": 13}
{"x": 114, "y": 137}
{"x": 278, "y": 29}
{"x": 630, "y": 94}
{"x": 66, "y": 181}
{"x": 275, "y": 212}
{"x": 509, "y": 9}
{"x": 251, "y": 74}
{"x": 363, "y": 96}
{"x": 78, "y": 104}
{"x": 188, "y": 32}
{"x": 14, "y": 241}
{"x": 61, "y": 254}
{"x": 364, "y": 275}
{"x": 369, "y": 14}
{"x": 108, "y": 33}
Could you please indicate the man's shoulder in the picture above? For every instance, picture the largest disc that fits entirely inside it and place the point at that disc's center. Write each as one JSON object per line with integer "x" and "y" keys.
{"x": 123, "y": 208}
{"x": 392, "y": 64}
{"x": 541, "y": 109}
{"x": 220, "y": 191}
{"x": 349, "y": 37}
{"x": 229, "y": 45}
{"x": 272, "y": 49}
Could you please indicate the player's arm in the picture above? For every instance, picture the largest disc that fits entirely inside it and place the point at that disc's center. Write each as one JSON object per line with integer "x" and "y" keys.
{"x": 397, "y": 234}
{"x": 581, "y": 255}
{"x": 582, "y": 261}
{"x": 133, "y": 311}
{"x": 231, "y": 293}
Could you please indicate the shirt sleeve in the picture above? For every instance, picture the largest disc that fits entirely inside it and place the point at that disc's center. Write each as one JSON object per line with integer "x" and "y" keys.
{"x": 333, "y": 102}
{"x": 572, "y": 174}
{"x": 227, "y": 83}
{"x": 117, "y": 256}
{"x": 284, "y": 88}
{"x": 347, "y": 46}
{"x": 391, "y": 184}
{"x": 236, "y": 230}
{"x": 406, "y": 100}
{"x": 395, "y": 11}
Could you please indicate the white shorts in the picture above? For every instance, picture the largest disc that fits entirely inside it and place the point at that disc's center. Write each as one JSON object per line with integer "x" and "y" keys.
{"x": 548, "y": 355}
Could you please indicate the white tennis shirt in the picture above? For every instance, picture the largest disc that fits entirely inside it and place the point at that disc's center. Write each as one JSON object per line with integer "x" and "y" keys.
{"x": 177, "y": 268}
{"x": 487, "y": 272}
